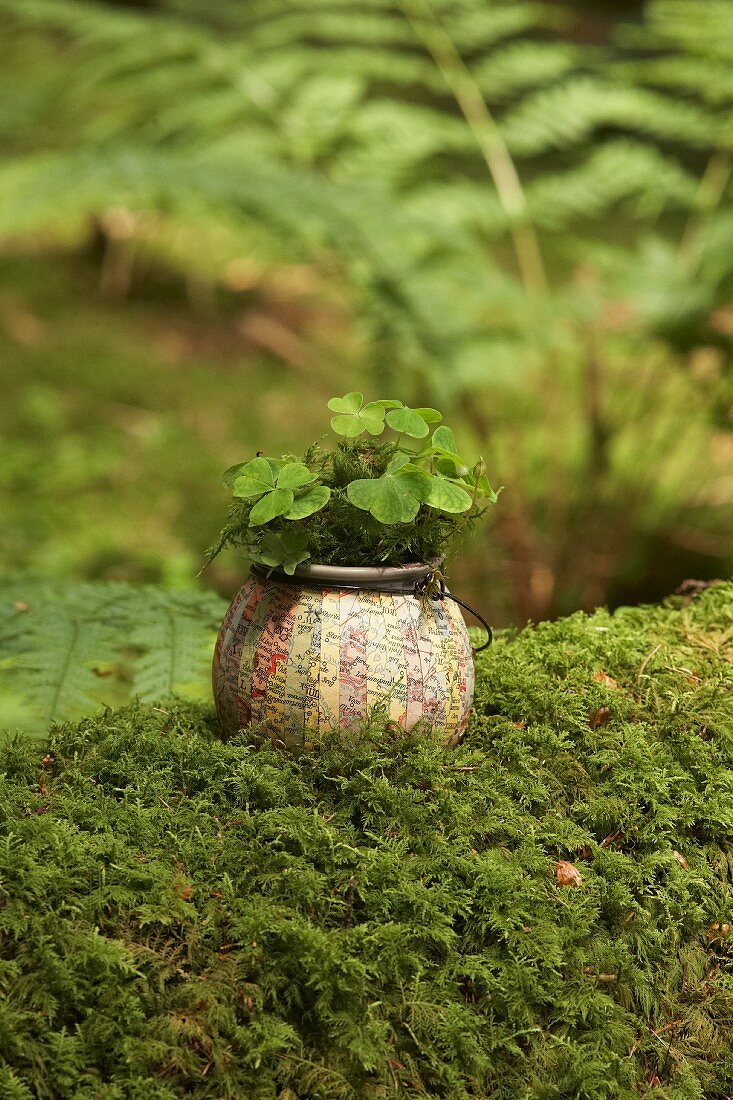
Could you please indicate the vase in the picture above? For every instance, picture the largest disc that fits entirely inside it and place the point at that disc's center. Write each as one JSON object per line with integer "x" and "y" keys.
{"x": 299, "y": 656}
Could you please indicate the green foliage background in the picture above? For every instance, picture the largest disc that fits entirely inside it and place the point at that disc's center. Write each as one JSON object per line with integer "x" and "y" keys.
{"x": 214, "y": 216}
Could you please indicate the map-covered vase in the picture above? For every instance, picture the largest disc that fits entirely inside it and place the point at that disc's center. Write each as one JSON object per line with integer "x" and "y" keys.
{"x": 299, "y": 656}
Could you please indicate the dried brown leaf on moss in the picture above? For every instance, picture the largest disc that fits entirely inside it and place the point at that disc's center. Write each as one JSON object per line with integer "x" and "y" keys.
{"x": 567, "y": 874}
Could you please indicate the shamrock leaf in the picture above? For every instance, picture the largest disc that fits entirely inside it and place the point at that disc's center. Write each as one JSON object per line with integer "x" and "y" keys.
{"x": 412, "y": 422}
{"x": 446, "y": 496}
{"x": 271, "y": 505}
{"x": 430, "y": 416}
{"x": 443, "y": 440}
{"x": 309, "y": 502}
{"x": 254, "y": 478}
{"x": 240, "y": 469}
{"x": 274, "y": 484}
{"x": 285, "y": 548}
{"x": 355, "y": 417}
{"x": 294, "y": 475}
{"x": 396, "y": 496}
{"x": 442, "y": 447}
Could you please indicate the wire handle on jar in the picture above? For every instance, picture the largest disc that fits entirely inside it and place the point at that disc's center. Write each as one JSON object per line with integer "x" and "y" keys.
{"x": 434, "y": 586}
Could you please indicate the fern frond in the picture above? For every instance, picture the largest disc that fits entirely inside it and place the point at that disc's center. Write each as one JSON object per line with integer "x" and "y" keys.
{"x": 474, "y": 27}
{"x": 307, "y": 129}
{"x": 703, "y": 27}
{"x": 504, "y": 74}
{"x": 58, "y": 645}
{"x": 569, "y": 113}
{"x": 613, "y": 172}
{"x": 68, "y": 649}
{"x": 175, "y": 634}
{"x": 706, "y": 78}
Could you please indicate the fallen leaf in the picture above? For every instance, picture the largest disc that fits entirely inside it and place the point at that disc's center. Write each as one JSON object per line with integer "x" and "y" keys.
{"x": 681, "y": 860}
{"x": 606, "y": 680}
{"x": 598, "y": 717}
{"x": 20, "y": 606}
{"x": 566, "y": 874}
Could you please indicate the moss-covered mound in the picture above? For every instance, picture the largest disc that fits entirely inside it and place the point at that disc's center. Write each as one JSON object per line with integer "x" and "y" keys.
{"x": 543, "y": 913}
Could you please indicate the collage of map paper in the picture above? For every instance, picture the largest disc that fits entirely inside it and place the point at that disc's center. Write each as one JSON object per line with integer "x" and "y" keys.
{"x": 299, "y": 661}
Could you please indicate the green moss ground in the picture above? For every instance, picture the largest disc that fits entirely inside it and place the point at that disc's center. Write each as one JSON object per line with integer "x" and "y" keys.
{"x": 183, "y": 917}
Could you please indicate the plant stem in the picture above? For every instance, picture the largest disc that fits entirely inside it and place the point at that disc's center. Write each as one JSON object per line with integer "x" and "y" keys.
{"x": 488, "y": 137}
{"x": 710, "y": 191}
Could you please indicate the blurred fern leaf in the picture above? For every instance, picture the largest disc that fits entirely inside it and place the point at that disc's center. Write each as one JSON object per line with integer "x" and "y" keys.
{"x": 67, "y": 649}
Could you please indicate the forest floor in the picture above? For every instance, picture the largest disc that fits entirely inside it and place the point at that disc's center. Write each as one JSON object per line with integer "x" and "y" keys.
{"x": 544, "y": 912}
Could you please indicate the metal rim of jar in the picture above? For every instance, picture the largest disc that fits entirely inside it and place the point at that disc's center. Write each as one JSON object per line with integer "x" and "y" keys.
{"x": 388, "y": 578}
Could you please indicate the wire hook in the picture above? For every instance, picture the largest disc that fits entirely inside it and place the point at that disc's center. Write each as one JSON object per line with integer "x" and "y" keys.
{"x": 434, "y": 586}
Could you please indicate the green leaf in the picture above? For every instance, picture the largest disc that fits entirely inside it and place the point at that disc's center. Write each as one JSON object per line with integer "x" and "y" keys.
{"x": 256, "y": 477}
{"x": 373, "y": 424}
{"x": 349, "y": 404}
{"x": 285, "y": 548}
{"x": 293, "y": 475}
{"x": 68, "y": 648}
{"x": 309, "y": 502}
{"x": 397, "y": 463}
{"x": 451, "y": 466}
{"x": 430, "y": 416}
{"x": 356, "y": 418}
{"x": 446, "y": 496}
{"x": 444, "y": 440}
{"x": 231, "y": 474}
{"x": 483, "y": 488}
{"x": 395, "y": 497}
{"x": 407, "y": 421}
{"x": 442, "y": 447}
{"x": 273, "y": 504}
{"x": 349, "y": 426}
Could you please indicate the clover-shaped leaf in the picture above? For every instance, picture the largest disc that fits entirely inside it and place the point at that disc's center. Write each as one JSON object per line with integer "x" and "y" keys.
{"x": 283, "y": 548}
{"x": 270, "y": 506}
{"x": 442, "y": 448}
{"x": 294, "y": 475}
{"x": 275, "y": 486}
{"x": 254, "y": 478}
{"x": 308, "y": 503}
{"x": 396, "y": 496}
{"x": 447, "y": 496}
{"x": 354, "y": 417}
{"x": 430, "y": 416}
{"x": 444, "y": 440}
{"x": 412, "y": 422}
{"x": 240, "y": 469}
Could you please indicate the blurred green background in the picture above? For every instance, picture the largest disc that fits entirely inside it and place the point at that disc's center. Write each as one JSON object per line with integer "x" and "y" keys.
{"x": 215, "y": 216}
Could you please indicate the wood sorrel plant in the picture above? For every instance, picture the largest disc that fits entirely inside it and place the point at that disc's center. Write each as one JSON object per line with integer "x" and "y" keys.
{"x": 365, "y": 501}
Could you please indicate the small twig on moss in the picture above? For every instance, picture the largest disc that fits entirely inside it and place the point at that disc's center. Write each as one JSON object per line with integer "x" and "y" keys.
{"x": 646, "y": 661}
